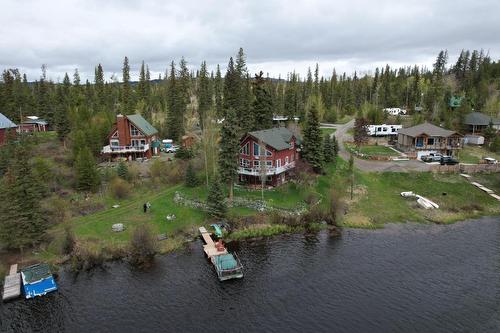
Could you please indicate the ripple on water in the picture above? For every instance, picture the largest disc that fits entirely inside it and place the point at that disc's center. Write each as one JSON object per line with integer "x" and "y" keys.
{"x": 405, "y": 277}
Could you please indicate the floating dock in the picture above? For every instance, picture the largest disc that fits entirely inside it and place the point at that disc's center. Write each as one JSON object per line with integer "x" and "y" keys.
{"x": 12, "y": 284}
{"x": 226, "y": 264}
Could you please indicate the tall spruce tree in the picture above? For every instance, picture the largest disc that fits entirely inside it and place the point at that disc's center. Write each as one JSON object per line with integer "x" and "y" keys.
{"x": 218, "y": 90}
{"x": 313, "y": 147}
{"x": 175, "y": 116}
{"x": 215, "y": 201}
{"x": 126, "y": 99}
{"x": 22, "y": 223}
{"x": 229, "y": 150}
{"x": 87, "y": 175}
{"x": 204, "y": 93}
{"x": 328, "y": 149}
{"x": 263, "y": 104}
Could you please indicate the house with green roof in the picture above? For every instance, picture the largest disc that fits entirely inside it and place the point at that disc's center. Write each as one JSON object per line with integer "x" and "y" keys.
{"x": 268, "y": 154}
{"x": 132, "y": 137}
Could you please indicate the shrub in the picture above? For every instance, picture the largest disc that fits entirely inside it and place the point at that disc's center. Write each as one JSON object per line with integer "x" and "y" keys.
{"x": 56, "y": 210}
{"x": 119, "y": 188}
{"x": 69, "y": 242}
{"x": 122, "y": 171}
{"x": 184, "y": 153}
{"x": 143, "y": 246}
{"x": 190, "y": 178}
{"x": 86, "y": 257}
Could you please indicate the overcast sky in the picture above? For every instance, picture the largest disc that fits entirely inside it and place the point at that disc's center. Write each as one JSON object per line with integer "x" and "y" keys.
{"x": 278, "y": 36}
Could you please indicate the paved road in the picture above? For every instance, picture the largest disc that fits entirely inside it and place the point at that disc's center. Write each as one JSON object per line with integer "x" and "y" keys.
{"x": 369, "y": 165}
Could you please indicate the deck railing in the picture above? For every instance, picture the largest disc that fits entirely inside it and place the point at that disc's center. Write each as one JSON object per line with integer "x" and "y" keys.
{"x": 125, "y": 149}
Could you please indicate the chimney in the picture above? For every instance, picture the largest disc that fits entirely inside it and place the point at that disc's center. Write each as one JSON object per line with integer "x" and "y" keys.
{"x": 123, "y": 131}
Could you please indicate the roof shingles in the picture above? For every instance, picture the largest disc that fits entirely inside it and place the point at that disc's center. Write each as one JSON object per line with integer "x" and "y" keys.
{"x": 278, "y": 138}
{"x": 142, "y": 124}
{"x": 426, "y": 128}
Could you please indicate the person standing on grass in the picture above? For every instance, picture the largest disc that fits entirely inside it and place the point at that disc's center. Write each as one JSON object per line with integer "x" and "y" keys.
{"x": 145, "y": 207}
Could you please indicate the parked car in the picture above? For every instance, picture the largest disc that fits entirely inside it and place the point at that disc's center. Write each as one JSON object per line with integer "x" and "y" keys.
{"x": 448, "y": 160}
{"x": 171, "y": 149}
{"x": 433, "y": 157}
{"x": 489, "y": 160}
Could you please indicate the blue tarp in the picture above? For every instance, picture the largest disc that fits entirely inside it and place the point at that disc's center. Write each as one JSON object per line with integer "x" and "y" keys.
{"x": 40, "y": 288}
{"x": 225, "y": 262}
{"x": 218, "y": 231}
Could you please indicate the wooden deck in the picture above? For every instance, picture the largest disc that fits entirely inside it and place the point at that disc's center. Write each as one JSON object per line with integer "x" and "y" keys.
{"x": 209, "y": 246}
{"x": 12, "y": 284}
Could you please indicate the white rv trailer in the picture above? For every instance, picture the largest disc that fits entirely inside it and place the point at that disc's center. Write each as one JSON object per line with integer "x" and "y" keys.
{"x": 395, "y": 111}
{"x": 383, "y": 130}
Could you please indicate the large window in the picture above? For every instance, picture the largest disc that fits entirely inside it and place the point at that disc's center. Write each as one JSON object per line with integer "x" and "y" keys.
{"x": 278, "y": 163}
{"x": 256, "y": 164}
{"x": 256, "y": 149}
{"x": 420, "y": 142}
{"x": 430, "y": 141}
{"x": 115, "y": 143}
{"x": 134, "y": 131}
{"x": 244, "y": 163}
{"x": 245, "y": 150}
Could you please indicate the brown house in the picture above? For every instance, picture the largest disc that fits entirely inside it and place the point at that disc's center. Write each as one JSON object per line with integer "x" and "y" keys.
{"x": 132, "y": 137}
{"x": 427, "y": 138}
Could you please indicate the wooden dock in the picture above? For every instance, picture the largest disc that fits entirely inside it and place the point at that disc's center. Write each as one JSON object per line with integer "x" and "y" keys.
{"x": 209, "y": 247}
{"x": 12, "y": 284}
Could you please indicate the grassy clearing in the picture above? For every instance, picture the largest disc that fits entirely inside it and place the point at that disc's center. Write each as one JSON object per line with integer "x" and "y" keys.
{"x": 374, "y": 150}
{"x": 345, "y": 119}
{"x": 327, "y": 131}
{"x": 456, "y": 197}
{"x": 474, "y": 154}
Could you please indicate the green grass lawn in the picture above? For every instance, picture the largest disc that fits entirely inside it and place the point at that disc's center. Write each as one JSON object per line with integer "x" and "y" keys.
{"x": 374, "y": 150}
{"x": 383, "y": 203}
{"x": 473, "y": 154}
{"x": 327, "y": 131}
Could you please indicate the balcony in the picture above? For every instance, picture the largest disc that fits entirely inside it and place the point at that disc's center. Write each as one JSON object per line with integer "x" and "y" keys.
{"x": 124, "y": 149}
{"x": 256, "y": 171}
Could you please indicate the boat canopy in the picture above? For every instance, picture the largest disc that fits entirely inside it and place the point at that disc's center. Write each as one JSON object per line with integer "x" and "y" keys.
{"x": 226, "y": 262}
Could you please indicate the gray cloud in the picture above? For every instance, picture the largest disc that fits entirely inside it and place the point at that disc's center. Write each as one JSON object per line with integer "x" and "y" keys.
{"x": 278, "y": 36}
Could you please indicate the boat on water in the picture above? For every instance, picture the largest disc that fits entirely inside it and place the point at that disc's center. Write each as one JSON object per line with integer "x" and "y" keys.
{"x": 37, "y": 280}
{"x": 227, "y": 265}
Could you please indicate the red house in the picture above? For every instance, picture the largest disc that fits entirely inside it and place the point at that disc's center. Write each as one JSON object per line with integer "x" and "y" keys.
{"x": 132, "y": 137}
{"x": 7, "y": 127}
{"x": 271, "y": 153}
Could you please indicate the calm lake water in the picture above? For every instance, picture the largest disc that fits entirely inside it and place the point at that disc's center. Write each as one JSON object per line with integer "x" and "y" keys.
{"x": 404, "y": 278}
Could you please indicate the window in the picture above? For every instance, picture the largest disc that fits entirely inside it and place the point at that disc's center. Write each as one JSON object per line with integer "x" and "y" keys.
{"x": 286, "y": 160}
{"x": 244, "y": 163}
{"x": 114, "y": 143}
{"x": 135, "y": 143}
{"x": 278, "y": 163}
{"x": 420, "y": 142}
{"x": 430, "y": 141}
{"x": 245, "y": 150}
{"x": 256, "y": 164}
{"x": 385, "y": 129}
{"x": 379, "y": 129}
{"x": 143, "y": 142}
{"x": 268, "y": 153}
{"x": 256, "y": 149}
{"x": 393, "y": 130}
{"x": 115, "y": 134}
{"x": 269, "y": 164}
{"x": 134, "y": 131}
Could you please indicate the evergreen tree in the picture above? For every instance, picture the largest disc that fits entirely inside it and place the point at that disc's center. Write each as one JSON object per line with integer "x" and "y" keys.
{"x": 99, "y": 86}
{"x": 126, "y": 99}
{"x": 87, "y": 175}
{"x": 229, "y": 150}
{"x": 262, "y": 106}
{"x": 328, "y": 149}
{"x": 218, "y": 88}
{"x": 175, "y": 116}
{"x": 122, "y": 170}
{"x": 313, "y": 148}
{"x": 204, "y": 93}
{"x": 190, "y": 179}
{"x": 62, "y": 124}
{"x": 215, "y": 201}
{"x": 141, "y": 86}
{"x": 22, "y": 223}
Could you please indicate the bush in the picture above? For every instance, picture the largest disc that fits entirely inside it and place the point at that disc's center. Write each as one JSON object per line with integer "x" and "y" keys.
{"x": 86, "y": 257}
{"x": 190, "y": 178}
{"x": 69, "y": 242}
{"x": 119, "y": 188}
{"x": 56, "y": 210}
{"x": 184, "y": 153}
{"x": 122, "y": 171}
{"x": 143, "y": 246}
